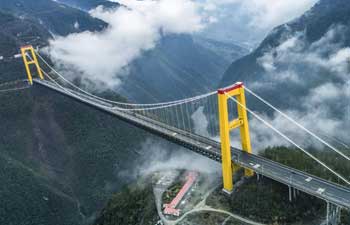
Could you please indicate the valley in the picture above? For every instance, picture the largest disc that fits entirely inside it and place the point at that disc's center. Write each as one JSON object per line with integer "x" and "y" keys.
{"x": 65, "y": 163}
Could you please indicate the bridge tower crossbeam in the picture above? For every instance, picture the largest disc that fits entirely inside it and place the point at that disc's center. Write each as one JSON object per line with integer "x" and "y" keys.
{"x": 228, "y": 168}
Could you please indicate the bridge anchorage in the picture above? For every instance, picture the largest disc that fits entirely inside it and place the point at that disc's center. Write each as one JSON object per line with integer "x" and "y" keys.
{"x": 175, "y": 122}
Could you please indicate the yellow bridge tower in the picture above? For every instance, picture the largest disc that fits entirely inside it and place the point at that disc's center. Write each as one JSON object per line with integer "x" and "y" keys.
{"x": 228, "y": 168}
{"x": 29, "y": 58}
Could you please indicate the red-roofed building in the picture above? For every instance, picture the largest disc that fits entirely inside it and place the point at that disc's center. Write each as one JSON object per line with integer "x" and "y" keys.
{"x": 170, "y": 209}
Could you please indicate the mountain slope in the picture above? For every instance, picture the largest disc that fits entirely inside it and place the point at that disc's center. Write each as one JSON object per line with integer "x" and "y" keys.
{"x": 55, "y": 17}
{"x": 15, "y": 33}
{"x": 227, "y": 50}
{"x": 315, "y": 24}
{"x": 73, "y": 153}
{"x": 302, "y": 67}
{"x": 176, "y": 68}
{"x": 60, "y": 160}
{"x": 89, "y": 4}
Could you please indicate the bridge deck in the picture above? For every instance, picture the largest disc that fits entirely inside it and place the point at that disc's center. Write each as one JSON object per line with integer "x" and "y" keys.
{"x": 320, "y": 188}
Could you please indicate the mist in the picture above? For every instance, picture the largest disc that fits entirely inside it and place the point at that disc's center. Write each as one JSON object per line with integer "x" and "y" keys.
{"x": 103, "y": 57}
{"x": 248, "y": 22}
{"x": 158, "y": 155}
{"x": 321, "y": 69}
{"x": 316, "y": 81}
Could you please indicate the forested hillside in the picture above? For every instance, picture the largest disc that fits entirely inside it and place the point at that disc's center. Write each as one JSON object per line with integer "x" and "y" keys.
{"x": 302, "y": 67}
{"x": 64, "y": 163}
{"x": 89, "y": 4}
{"x": 178, "y": 67}
{"x": 313, "y": 25}
{"x": 56, "y": 18}
{"x": 59, "y": 159}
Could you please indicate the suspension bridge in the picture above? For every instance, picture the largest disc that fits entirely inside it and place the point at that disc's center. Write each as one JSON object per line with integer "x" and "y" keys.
{"x": 225, "y": 110}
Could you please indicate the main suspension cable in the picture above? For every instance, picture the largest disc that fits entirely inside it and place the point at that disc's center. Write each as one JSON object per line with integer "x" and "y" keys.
{"x": 123, "y": 109}
{"x": 116, "y": 102}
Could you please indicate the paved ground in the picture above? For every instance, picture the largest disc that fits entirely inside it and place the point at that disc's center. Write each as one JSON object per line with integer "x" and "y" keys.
{"x": 167, "y": 178}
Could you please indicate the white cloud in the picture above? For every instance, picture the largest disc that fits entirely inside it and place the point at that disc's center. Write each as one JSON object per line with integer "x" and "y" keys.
{"x": 103, "y": 57}
{"x": 76, "y": 25}
{"x": 251, "y": 19}
{"x": 160, "y": 156}
{"x": 200, "y": 122}
{"x": 294, "y": 55}
{"x": 270, "y": 13}
{"x": 264, "y": 13}
{"x": 339, "y": 61}
{"x": 267, "y": 62}
{"x": 317, "y": 120}
{"x": 322, "y": 70}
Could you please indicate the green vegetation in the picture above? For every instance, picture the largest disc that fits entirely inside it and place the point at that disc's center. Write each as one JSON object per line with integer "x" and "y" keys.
{"x": 28, "y": 198}
{"x": 133, "y": 205}
{"x": 65, "y": 150}
{"x": 76, "y": 151}
{"x": 60, "y": 160}
{"x": 74, "y": 148}
{"x": 102, "y": 146}
{"x": 211, "y": 218}
{"x": 296, "y": 159}
{"x": 90, "y": 4}
{"x": 174, "y": 188}
{"x": 55, "y": 17}
{"x": 345, "y": 218}
{"x": 171, "y": 192}
{"x": 267, "y": 202}
{"x": 263, "y": 201}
